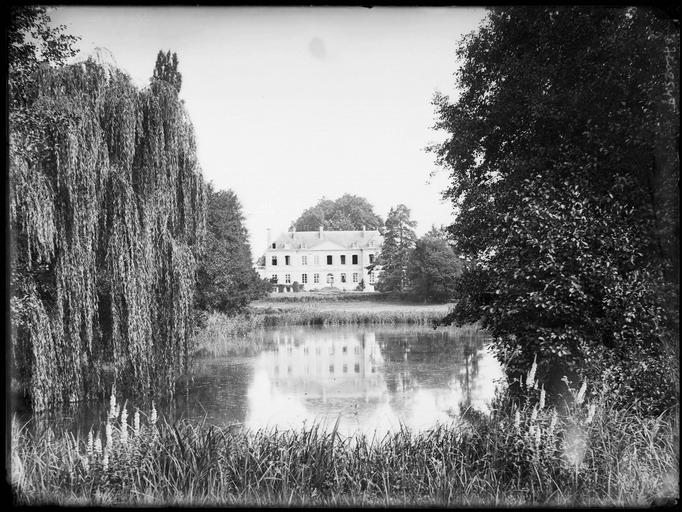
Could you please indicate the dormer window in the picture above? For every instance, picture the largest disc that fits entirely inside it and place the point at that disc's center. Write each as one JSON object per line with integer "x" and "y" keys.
{"x": 274, "y": 245}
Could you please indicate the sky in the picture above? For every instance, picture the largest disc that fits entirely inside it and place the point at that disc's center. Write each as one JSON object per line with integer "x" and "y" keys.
{"x": 293, "y": 104}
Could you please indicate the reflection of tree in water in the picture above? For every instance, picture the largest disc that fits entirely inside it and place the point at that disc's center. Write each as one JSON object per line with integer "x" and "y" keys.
{"x": 471, "y": 351}
{"x": 415, "y": 355}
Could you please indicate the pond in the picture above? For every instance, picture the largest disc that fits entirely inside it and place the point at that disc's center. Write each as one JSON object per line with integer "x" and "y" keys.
{"x": 368, "y": 378}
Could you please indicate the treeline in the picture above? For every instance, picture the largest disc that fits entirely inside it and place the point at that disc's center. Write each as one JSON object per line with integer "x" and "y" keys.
{"x": 107, "y": 220}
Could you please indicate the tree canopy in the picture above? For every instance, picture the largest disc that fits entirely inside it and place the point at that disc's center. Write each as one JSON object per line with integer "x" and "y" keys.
{"x": 106, "y": 216}
{"x": 166, "y": 69}
{"x": 399, "y": 240}
{"x": 433, "y": 268}
{"x": 347, "y": 213}
{"x": 226, "y": 279}
{"x": 564, "y": 161}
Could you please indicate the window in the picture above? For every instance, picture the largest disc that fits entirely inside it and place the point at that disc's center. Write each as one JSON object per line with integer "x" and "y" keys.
{"x": 274, "y": 260}
{"x": 316, "y": 260}
{"x": 371, "y": 258}
{"x": 355, "y": 277}
{"x": 345, "y": 368}
{"x": 356, "y": 368}
{"x": 355, "y": 259}
{"x": 329, "y": 259}
{"x": 343, "y": 277}
{"x": 273, "y": 279}
{"x": 274, "y": 245}
{"x": 316, "y": 278}
{"x": 331, "y": 368}
{"x": 304, "y": 260}
{"x": 356, "y": 350}
{"x": 287, "y": 260}
{"x": 287, "y": 278}
{"x": 344, "y": 350}
{"x": 304, "y": 278}
{"x": 371, "y": 278}
{"x": 343, "y": 259}
{"x": 330, "y": 279}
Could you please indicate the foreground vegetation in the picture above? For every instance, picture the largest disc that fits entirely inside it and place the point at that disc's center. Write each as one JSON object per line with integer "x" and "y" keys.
{"x": 591, "y": 454}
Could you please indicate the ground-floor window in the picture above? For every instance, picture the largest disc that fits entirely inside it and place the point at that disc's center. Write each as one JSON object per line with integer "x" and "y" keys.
{"x": 273, "y": 279}
{"x": 330, "y": 279}
{"x": 355, "y": 277}
{"x": 287, "y": 278}
{"x": 343, "y": 278}
{"x": 371, "y": 278}
{"x": 316, "y": 278}
{"x": 304, "y": 278}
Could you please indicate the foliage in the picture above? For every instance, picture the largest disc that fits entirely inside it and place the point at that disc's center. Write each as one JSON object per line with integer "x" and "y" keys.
{"x": 433, "y": 268}
{"x": 347, "y": 213}
{"x": 563, "y": 162}
{"x": 522, "y": 454}
{"x": 226, "y": 279}
{"x": 166, "y": 69}
{"x": 399, "y": 240}
{"x": 32, "y": 42}
{"x": 106, "y": 216}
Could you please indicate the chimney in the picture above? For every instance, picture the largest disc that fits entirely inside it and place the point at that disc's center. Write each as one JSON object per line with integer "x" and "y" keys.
{"x": 321, "y": 231}
{"x": 268, "y": 230}
{"x": 293, "y": 231}
{"x": 363, "y": 231}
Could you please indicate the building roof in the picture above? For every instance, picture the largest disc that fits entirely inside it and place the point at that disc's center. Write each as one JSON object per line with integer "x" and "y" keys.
{"x": 329, "y": 240}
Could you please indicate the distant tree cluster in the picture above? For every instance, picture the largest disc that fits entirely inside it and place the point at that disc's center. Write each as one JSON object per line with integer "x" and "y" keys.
{"x": 563, "y": 153}
{"x": 347, "y": 213}
{"x": 423, "y": 268}
{"x": 226, "y": 279}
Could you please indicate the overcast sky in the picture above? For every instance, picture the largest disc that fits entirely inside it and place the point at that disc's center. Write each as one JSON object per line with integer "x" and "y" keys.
{"x": 293, "y": 104}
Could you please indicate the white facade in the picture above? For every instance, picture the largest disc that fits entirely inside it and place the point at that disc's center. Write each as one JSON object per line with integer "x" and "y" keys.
{"x": 323, "y": 259}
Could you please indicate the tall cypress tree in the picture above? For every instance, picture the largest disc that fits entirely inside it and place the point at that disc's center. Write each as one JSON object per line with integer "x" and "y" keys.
{"x": 399, "y": 240}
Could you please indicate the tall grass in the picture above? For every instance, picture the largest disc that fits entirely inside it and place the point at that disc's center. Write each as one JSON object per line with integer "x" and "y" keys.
{"x": 521, "y": 454}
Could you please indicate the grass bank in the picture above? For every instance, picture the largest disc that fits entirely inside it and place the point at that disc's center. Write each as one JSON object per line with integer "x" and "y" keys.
{"x": 520, "y": 455}
{"x": 346, "y": 313}
{"x": 241, "y": 334}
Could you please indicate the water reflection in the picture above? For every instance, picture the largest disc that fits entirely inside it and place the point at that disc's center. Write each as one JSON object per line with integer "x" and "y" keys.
{"x": 367, "y": 378}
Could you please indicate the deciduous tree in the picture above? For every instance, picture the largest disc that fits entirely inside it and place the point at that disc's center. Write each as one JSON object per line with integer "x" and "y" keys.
{"x": 226, "y": 279}
{"x": 564, "y": 163}
{"x": 347, "y": 213}
{"x": 433, "y": 268}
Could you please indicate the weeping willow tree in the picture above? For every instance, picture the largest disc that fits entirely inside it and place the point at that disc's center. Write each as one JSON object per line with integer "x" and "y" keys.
{"x": 107, "y": 215}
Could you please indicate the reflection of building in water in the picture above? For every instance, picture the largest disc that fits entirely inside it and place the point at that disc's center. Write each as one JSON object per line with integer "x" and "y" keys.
{"x": 325, "y": 366}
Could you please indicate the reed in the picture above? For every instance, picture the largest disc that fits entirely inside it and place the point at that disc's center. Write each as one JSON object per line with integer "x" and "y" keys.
{"x": 588, "y": 455}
